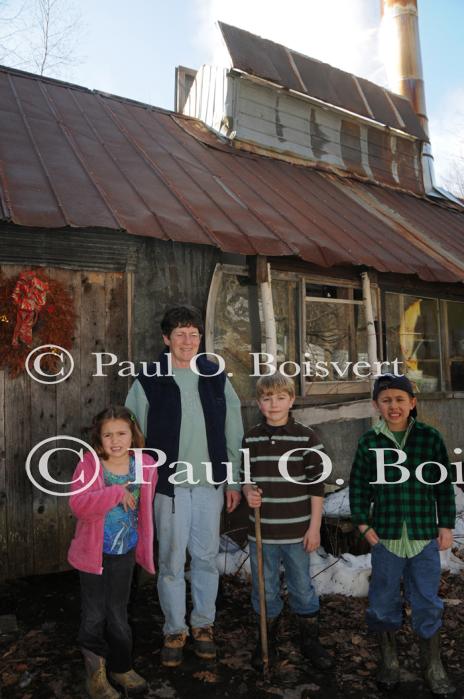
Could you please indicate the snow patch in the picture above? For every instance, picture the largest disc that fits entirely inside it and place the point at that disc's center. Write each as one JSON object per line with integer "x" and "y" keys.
{"x": 345, "y": 575}
{"x": 338, "y": 504}
{"x": 451, "y": 562}
{"x": 232, "y": 559}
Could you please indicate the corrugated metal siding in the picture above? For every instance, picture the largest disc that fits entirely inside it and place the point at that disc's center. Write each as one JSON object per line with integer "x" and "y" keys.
{"x": 70, "y": 158}
{"x": 280, "y": 122}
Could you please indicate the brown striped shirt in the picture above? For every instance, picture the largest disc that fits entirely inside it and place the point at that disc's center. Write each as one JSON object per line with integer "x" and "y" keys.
{"x": 286, "y": 505}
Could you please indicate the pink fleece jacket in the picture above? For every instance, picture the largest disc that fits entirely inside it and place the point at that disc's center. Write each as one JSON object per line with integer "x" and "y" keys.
{"x": 90, "y": 507}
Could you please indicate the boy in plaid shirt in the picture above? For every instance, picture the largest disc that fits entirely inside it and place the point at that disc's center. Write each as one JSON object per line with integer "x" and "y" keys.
{"x": 410, "y": 522}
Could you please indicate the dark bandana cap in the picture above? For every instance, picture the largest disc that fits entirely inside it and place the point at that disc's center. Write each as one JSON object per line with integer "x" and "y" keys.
{"x": 401, "y": 383}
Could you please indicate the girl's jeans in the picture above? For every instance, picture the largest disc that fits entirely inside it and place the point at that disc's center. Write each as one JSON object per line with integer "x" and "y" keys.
{"x": 104, "y": 628}
{"x": 421, "y": 577}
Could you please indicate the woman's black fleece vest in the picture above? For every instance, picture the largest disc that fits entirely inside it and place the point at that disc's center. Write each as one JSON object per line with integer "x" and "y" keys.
{"x": 165, "y": 413}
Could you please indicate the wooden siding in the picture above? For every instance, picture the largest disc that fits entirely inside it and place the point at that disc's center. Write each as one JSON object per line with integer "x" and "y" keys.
{"x": 167, "y": 274}
{"x": 36, "y": 528}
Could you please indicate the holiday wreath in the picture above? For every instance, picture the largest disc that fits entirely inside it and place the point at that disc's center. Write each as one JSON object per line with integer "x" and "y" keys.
{"x": 35, "y": 310}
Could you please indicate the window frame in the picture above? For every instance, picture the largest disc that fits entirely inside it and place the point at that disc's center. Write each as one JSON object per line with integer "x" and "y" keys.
{"x": 325, "y": 389}
{"x": 319, "y": 389}
{"x": 440, "y": 325}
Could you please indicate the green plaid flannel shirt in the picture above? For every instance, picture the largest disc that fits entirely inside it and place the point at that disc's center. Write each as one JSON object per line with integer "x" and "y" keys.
{"x": 423, "y": 507}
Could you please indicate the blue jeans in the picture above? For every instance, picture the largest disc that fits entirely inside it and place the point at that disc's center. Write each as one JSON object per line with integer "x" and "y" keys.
{"x": 104, "y": 628}
{"x": 194, "y": 525}
{"x": 302, "y": 597}
{"x": 421, "y": 577}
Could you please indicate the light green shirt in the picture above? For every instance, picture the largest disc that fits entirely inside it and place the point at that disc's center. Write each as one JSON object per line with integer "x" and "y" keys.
{"x": 404, "y": 547}
{"x": 193, "y": 445}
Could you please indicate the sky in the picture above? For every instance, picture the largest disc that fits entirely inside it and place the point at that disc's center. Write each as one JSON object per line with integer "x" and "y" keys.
{"x": 132, "y": 49}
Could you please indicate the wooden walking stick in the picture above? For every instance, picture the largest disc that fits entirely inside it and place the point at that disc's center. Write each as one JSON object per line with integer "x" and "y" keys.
{"x": 262, "y": 592}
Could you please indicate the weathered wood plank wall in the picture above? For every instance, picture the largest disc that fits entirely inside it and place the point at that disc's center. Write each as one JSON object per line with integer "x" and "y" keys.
{"x": 36, "y": 528}
{"x": 167, "y": 273}
{"x": 3, "y": 528}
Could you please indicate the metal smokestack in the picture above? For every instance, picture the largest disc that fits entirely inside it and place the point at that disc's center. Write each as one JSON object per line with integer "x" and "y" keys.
{"x": 404, "y": 67}
{"x": 404, "y": 63}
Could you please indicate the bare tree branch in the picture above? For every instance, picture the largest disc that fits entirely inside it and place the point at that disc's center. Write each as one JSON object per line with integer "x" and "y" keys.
{"x": 40, "y": 35}
{"x": 454, "y": 180}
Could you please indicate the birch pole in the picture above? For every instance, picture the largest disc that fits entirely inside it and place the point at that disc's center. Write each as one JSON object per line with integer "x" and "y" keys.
{"x": 270, "y": 333}
{"x": 371, "y": 336}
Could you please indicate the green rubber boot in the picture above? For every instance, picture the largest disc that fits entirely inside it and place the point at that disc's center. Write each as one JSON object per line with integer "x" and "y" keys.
{"x": 388, "y": 676}
{"x": 433, "y": 671}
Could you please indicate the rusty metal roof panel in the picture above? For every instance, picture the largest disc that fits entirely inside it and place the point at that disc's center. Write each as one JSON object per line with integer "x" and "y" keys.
{"x": 408, "y": 115}
{"x": 321, "y": 216}
{"x": 330, "y": 84}
{"x": 380, "y": 104}
{"x": 260, "y": 57}
{"x": 439, "y": 225}
{"x": 71, "y": 158}
{"x": 263, "y": 58}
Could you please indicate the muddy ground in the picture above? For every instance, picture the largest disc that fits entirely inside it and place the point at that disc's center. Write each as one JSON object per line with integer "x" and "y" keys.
{"x": 40, "y": 660}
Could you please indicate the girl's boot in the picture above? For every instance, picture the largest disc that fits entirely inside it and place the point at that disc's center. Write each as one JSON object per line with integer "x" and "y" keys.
{"x": 129, "y": 681}
{"x": 97, "y": 684}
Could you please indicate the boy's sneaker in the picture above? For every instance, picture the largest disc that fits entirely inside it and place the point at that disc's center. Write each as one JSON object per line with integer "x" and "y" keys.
{"x": 203, "y": 642}
{"x": 173, "y": 649}
{"x": 130, "y": 681}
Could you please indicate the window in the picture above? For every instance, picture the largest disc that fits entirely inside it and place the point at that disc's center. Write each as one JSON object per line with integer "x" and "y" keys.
{"x": 314, "y": 322}
{"x": 235, "y": 330}
{"x": 335, "y": 330}
{"x": 285, "y": 300}
{"x": 325, "y": 323}
{"x": 455, "y": 323}
{"x": 321, "y": 321}
{"x": 412, "y": 335}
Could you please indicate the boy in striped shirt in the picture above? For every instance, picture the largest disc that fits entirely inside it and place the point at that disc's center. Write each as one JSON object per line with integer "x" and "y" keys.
{"x": 291, "y": 510}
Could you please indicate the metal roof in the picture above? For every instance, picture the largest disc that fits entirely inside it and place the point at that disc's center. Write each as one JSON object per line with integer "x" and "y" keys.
{"x": 280, "y": 65}
{"x": 70, "y": 157}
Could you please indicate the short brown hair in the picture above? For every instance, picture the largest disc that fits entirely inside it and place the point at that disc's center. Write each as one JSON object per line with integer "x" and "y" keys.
{"x": 115, "y": 412}
{"x": 181, "y": 316}
{"x": 275, "y": 383}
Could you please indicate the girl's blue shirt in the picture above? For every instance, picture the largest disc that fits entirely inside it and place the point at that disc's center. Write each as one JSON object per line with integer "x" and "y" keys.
{"x": 120, "y": 529}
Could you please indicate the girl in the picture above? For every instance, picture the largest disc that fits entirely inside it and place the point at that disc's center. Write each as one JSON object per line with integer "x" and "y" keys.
{"x": 114, "y": 530}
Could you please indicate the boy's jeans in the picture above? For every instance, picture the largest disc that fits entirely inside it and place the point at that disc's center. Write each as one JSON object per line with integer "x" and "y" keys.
{"x": 421, "y": 576}
{"x": 194, "y": 525}
{"x": 301, "y": 594}
{"x": 104, "y": 628}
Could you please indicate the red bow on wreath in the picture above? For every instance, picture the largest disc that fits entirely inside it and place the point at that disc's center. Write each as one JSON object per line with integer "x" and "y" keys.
{"x": 30, "y": 294}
